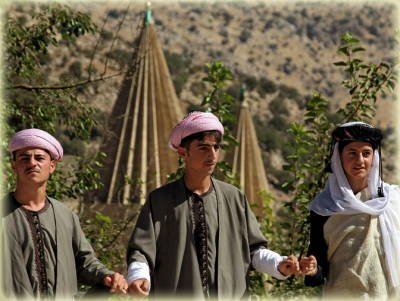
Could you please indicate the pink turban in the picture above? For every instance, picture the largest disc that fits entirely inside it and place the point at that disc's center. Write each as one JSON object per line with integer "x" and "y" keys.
{"x": 192, "y": 123}
{"x": 36, "y": 138}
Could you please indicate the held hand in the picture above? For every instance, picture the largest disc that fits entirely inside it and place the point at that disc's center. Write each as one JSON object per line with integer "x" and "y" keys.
{"x": 289, "y": 266}
{"x": 308, "y": 266}
{"x": 117, "y": 283}
{"x": 138, "y": 288}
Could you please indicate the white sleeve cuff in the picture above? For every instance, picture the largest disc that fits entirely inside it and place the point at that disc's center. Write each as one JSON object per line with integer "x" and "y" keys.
{"x": 138, "y": 270}
{"x": 267, "y": 261}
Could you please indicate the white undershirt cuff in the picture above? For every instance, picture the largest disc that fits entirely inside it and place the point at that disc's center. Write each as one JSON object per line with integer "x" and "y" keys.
{"x": 138, "y": 270}
{"x": 267, "y": 261}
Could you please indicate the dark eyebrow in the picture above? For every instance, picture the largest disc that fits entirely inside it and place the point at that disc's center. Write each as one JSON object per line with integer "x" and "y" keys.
{"x": 35, "y": 155}
{"x": 207, "y": 144}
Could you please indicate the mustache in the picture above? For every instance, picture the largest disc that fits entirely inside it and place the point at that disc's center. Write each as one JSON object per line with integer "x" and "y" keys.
{"x": 32, "y": 169}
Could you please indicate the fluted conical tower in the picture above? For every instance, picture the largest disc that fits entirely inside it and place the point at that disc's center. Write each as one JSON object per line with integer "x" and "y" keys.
{"x": 246, "y": 159}
{"x": 145, "y": 113}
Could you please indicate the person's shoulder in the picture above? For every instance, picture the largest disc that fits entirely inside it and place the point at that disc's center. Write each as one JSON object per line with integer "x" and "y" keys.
{"x": 228, "y": 188}
{"x": 59, "y": 205}
{"x": 165, "y": 188}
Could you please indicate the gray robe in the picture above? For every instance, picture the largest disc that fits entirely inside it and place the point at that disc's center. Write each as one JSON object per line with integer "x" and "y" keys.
{"x": 75, "y": 260}
{"x": 163, "y": 239}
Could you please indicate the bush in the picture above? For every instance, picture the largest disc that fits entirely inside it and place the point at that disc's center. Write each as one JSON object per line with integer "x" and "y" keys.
{"x": 244, "y": 36}
{"x": 45, "y": 59}
{"x": 179, "y": 81}
{"x": 196, "y": 10}
{"x": 76, "y": 69}
{"x": 114, "y": 13}
{"x": 198, "y": 88}
{"x": 268, "y": 85}
{"x": 251, "y": 82}
{"x": 292, "y": 93}
{"x": 278, "y": 107}
{"x": 175, "y": 63}
{"x": 107, "y": 35}
{"x": 234, "y": 91}
{"x": 121, "y": 56}
{"x": 22, "y": 20}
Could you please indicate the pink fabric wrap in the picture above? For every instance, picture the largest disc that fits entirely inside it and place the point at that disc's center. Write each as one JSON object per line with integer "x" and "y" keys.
{"x": 36, "y": 138}
{"x": 194, "y": 123}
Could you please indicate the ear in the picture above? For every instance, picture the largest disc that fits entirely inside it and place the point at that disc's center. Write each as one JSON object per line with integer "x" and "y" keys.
{"x": 14, "y": 166}
{"x": 52, "y": 166}
{"x": 182, "y": 152}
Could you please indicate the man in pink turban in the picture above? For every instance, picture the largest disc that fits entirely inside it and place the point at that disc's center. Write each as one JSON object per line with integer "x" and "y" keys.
{"x": 45, "y": 253}
{"x": 197, "y": 237}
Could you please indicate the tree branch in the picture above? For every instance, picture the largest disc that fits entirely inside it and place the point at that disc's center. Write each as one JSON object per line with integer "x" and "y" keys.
{"x": 27, "y": 87}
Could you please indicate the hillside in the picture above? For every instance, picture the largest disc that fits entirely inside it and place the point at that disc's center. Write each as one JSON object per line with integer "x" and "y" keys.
{"x": 282, "y": 51}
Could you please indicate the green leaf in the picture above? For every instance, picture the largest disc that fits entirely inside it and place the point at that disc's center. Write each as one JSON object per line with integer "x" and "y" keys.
{"x": 342, "y": 63}
{"x": 353, "y": 89}
{"x": 356, "y": 49}
{"x": 230, "y": 139}
{"x": 368, "y": 115}
{"x": 288, "y": 168}
{"x": 302, "y": 150}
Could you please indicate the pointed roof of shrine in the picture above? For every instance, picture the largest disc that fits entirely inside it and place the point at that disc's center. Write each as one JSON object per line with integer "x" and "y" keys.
{"x": 246, "y": 158}
{"x": 146, "y": 111}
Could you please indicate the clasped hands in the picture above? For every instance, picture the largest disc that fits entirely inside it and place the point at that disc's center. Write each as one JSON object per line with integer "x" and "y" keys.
{"x": 306, "y": 267}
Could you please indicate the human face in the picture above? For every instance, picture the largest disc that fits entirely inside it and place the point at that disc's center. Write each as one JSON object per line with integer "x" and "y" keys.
{"x": 33, "y": 166}
{"x": 356, "y": 159}
{"x": 201, "y": 157}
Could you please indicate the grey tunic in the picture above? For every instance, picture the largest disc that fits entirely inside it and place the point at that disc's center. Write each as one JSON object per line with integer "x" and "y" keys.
{"x": 68, "y": 256}
{"x": 163, "y": 239}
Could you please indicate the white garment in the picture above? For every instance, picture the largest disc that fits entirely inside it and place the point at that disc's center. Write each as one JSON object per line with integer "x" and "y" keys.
{"x": 264, "y": 260}
{"x": 341, "y": 200}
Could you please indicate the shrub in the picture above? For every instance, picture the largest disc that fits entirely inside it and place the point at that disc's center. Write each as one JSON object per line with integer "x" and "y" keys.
{"x": 196, "y": 10}
{"x": 268, "y": 85}
{"x": 251, "y": 82}
{"x": 22, "y": 20}
{"x": 198, "y": 88}
{"x": 234, "y": 91}
{"x": 179, "y": 81}
{"x": 121, "y": 56}
{"x": 114, "y": 13}
{"x": 292, "y": 93}
{"x": 175, "y": 63}
{"x": 244, "y": 36}
{"x": 107, "y": 35}
{"x": 76, "y": 69}
{"x": 278, "y": 107}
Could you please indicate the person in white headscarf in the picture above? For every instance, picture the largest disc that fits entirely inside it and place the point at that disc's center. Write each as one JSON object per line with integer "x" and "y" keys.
{"x": 355, "y": 225}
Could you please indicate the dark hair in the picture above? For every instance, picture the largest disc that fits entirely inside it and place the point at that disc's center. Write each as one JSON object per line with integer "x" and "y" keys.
{"x": 342, "y": 144}
{"x": 200, "y": 136}
{"x": 14, "y": 154}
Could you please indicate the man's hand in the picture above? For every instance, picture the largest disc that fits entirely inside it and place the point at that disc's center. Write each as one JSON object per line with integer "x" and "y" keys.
{"x": 308, "y": 266}
{"x": 138, "y": 288}
{"x": 117, "y": 283}
{"x": 289, "y": 266}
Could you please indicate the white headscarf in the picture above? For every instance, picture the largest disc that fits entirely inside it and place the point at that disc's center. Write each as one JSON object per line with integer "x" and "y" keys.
{"x": 338, "y": 198}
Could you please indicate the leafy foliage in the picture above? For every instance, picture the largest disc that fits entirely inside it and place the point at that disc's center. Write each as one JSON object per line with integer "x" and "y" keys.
{"x": 44, "y": 108}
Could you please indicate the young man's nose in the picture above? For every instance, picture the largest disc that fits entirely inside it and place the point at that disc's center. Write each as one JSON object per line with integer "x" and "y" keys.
{"x": 32, "y": 161}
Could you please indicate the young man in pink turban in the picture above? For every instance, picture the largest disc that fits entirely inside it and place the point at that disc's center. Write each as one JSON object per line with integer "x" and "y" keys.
{"x": 197, "y": 237}
{"x": 45, "y": 253}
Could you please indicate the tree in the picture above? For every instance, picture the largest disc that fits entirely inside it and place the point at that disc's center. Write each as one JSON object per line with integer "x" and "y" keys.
{"x": 30, "y": 102}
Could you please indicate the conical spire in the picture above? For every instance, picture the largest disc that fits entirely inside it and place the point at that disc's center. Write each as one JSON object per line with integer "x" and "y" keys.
{"x": 145, "y": 113}
{"x": 246, "y": 158}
